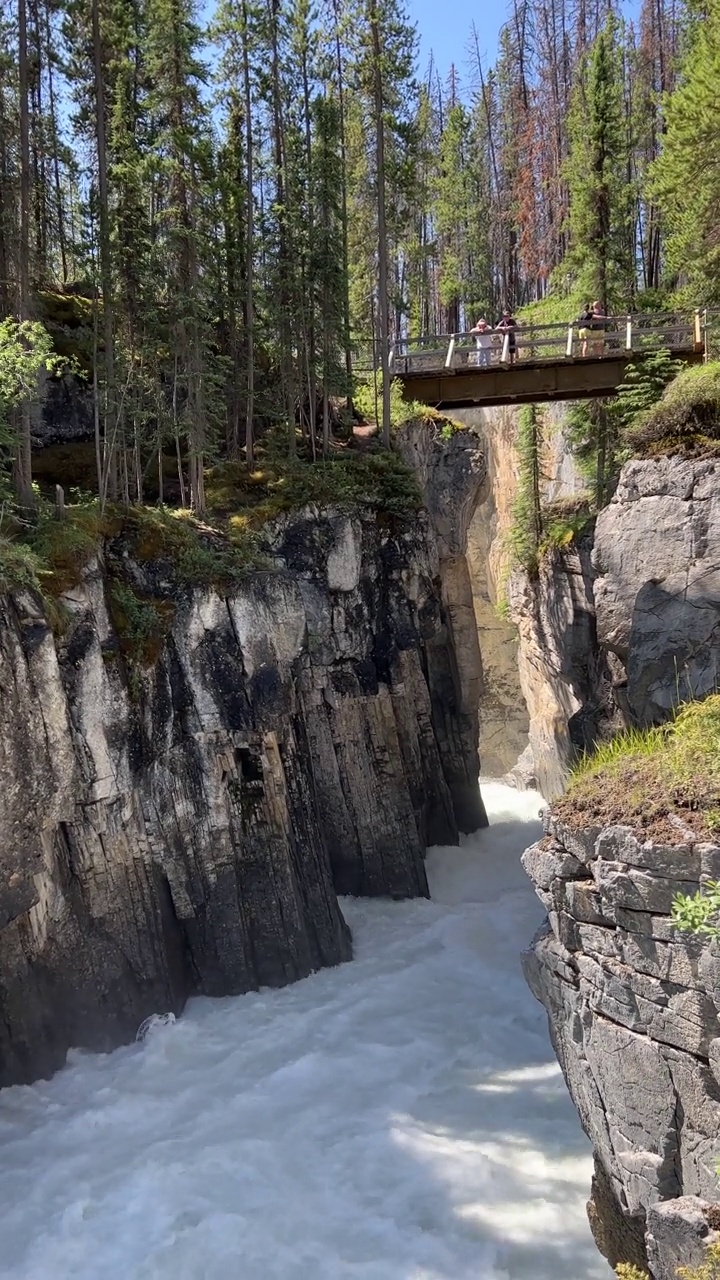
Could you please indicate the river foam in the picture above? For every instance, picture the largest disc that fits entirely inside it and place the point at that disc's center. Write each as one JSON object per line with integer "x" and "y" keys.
{"x": 399, "y": 1118}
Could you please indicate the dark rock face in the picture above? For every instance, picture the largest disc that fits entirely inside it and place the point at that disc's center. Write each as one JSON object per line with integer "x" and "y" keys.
{"x": 304, "y": 737}
{"x": 67, "y": 412}
{"x": 633, "y": 1010}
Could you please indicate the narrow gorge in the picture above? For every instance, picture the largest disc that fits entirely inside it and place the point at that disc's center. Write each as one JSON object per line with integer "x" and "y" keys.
{"x": 184, "y": 826}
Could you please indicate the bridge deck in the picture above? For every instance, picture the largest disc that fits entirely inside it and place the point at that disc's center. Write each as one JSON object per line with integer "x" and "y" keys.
{"x": 527, "y": 382}
{"x": 549, "y": 365}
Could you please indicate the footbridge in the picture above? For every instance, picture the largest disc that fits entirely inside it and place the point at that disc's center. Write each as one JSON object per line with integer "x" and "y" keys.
{"x": 541, "y": 362}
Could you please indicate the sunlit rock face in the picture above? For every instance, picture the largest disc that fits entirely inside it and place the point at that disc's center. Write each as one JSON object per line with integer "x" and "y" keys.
{"x": 657, "y": 588}
{"x": 624, "y": 625}
{"x": 187, "y": 829}
{"x": 523, "y": 703}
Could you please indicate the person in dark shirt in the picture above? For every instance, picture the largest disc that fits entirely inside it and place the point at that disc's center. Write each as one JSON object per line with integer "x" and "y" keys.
{"x": 584, "y": 321}
{"x": 508, "y": 325}
{"x": 596, "y": 325}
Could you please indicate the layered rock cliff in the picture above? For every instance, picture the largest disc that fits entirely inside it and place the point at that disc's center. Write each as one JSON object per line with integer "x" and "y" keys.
{"x": 525, "y": 693}
{"x": 618, "y": 630}
{"x": 187, "y": 829}
{"x": 625, "y": 625}
{"x": 633, "y": 1009}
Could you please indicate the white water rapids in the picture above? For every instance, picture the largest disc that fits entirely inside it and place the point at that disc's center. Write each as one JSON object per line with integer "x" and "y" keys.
{"x": 401, "y": 1117}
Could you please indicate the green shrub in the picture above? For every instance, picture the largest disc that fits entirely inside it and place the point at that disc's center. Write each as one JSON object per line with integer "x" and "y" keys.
{"x": 401, "y": 410}
{"x": 699, "y": 912}
{"x": 141, "y": 624}
{"x": 198, "y": 554}
{"x": 564, "y": 521}
{"x": 687, "y": 417}
{"x": 20, "y": 566}
{"x": 65, "y": 547}
{"x": 707, "y": 1270}
{"x": 371, "y": 478}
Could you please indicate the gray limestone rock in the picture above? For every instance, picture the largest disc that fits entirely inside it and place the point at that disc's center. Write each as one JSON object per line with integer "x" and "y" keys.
{"x": 677, "y": 1235}
{"x": 188, "y": 831}
{"x": 544, "y": 865}
{"x": 632, "y": 1007}
{"x": 564, "y": 676}
{"x": 657, "y": 590}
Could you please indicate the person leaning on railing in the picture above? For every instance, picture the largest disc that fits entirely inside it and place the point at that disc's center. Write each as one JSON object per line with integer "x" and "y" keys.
{"x": 508, "y": 325}
{"x": 483, "y": 342}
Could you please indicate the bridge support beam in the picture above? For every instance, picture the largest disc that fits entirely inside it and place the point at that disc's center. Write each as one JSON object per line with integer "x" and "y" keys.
{"x": 526, "y": 383}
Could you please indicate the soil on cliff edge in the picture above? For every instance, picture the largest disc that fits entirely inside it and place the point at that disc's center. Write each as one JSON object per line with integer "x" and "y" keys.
{"x": 663, "y": 782}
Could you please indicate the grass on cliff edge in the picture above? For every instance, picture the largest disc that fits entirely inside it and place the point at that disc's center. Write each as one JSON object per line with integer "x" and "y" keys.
{"x": 686, "y": 418}
{"x": 50, "y": 555}
{"x": 649, "y": 779}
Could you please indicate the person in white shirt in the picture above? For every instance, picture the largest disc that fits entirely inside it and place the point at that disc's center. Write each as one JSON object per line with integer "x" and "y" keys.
{"x": 483, "y": 342}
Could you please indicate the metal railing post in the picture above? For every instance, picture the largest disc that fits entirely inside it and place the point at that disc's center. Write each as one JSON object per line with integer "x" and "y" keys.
{"x": 450, "y": 353}
{"x": 505, "y": 353}
{"x": 628, "y": 334}
{"x": 570, "y": 339}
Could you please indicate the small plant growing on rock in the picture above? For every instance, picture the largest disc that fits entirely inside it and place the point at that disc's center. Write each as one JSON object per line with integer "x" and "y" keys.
{"x": 707, "y": 1270}
{"x": 699, "y": 913}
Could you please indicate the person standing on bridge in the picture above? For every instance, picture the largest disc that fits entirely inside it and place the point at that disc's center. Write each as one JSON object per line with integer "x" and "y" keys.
{"x": 508, "y": 325}
{"x": 596, "y": 324}
{"x": 584, "y": 322}
{"x": 483, "y": 342}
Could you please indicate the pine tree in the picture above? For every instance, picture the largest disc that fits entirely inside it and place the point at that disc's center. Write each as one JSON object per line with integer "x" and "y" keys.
{"x": 182, "y": 166}
{"x": 687, "y": 173}
{"x": 601, "y": 199}
{"x": 22, "y": 472}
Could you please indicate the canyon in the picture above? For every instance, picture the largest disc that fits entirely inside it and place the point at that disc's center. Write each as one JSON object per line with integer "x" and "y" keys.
{"x": 187, "y": 828}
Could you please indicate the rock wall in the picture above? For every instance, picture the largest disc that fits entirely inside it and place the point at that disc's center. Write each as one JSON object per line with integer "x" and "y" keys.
{"x": 657, "y": 588}
{"x": 528, "y": 697}
{"x": 633, "y": 1009}
{"x": 503, "y": 713}
{"x": 621, "y": 628}
{"x": 563, "y": 672}
{"x": 188, "y": 830}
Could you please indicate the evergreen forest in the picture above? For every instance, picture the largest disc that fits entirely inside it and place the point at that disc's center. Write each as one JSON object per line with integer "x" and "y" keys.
{"x": 212, "y": 220}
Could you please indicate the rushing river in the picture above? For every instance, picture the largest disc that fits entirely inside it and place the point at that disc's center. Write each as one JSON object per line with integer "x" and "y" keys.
{"x": 399, "y": 1118}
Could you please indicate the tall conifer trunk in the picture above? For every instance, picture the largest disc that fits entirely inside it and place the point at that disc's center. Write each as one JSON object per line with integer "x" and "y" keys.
{"x": 383, "y": 300}
{"x": 108, "y": 481}
{"x": 22, "y": 469}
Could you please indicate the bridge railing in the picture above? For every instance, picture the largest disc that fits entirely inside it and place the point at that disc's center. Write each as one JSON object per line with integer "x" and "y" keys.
{"x": 637, "y": 333}
{"x": 696, "y": 331}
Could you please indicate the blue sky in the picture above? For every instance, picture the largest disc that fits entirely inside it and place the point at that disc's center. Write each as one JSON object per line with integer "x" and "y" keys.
{"x": 444, "y": 28}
